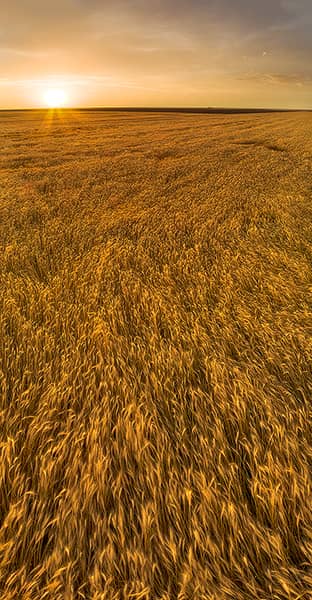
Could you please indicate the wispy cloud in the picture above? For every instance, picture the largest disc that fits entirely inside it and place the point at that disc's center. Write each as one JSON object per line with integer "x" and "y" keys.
{"x": 191, "y": 48}
{"x": 277, "y": 78}
{"x": 26, "y": 53}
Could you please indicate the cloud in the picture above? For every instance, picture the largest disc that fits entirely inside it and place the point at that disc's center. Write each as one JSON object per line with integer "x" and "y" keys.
{"x": 208, "y": 42}
{"x": 277, "y": 78}
{"x": 21, "y": 19}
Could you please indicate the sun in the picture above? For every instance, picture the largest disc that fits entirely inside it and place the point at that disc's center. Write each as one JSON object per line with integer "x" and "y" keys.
{"x": 55, "y": 97}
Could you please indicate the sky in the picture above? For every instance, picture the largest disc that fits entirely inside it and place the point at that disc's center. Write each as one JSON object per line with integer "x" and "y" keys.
{"x": 227, "y": 53}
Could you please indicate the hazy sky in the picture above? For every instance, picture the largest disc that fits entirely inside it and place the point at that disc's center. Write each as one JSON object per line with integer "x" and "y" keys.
{"x": 157, "y": 52}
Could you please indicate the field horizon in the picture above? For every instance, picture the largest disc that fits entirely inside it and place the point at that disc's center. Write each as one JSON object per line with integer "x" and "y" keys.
{"x": 155, "y": 354}
{"x": 162, "y": 109}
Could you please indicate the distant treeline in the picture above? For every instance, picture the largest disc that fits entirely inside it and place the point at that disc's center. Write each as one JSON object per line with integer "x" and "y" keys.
{"x": 142, "y": 109}
{"x": 209, "y": 110}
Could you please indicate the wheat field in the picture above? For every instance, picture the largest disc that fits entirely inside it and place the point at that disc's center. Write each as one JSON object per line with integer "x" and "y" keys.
{"x": 155, "y": 356}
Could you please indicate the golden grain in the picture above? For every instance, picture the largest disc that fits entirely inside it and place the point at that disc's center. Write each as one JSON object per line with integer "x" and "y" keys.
{"x": 155, "y": 356}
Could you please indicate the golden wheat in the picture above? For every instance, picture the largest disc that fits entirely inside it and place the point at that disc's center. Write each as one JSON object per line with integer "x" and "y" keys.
{"x": 155, "y": 356}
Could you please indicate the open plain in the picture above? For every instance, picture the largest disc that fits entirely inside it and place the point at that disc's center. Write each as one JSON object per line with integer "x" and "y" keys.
{"x": 155, "y": 356}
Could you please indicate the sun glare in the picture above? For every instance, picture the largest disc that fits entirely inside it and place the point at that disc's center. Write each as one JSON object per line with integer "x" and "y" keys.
{"x": 55, "y": 97}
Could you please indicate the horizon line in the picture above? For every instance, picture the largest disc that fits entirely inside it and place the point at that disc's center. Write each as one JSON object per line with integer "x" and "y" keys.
{"x": 170, "y": 109}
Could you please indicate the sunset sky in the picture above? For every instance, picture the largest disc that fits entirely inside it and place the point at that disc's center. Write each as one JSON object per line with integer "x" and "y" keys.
{"x": 157, "y": 52}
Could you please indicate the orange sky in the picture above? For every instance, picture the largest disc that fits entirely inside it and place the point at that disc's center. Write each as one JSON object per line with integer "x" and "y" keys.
{"x": 157, "y": 53}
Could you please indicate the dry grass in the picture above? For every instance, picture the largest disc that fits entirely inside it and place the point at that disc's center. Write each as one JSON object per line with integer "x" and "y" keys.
{"x": 155, "y": 357}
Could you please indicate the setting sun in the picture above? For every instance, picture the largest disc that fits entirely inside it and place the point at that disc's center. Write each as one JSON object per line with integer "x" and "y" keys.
{"x": 55, "y": 97}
